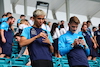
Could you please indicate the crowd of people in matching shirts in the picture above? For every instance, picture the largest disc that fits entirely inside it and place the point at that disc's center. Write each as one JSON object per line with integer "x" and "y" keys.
{"x": 7, "y": 34}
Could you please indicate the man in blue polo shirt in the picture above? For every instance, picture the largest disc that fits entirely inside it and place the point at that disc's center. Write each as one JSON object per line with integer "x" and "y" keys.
{"x": 37, "y": 39}
{"x": 6, "y": 16}
{"x": 97, "y": 37}
{"x": 6, "y": 39}
{"x": 74, "y": 46}
{"x": 21, "y": 17}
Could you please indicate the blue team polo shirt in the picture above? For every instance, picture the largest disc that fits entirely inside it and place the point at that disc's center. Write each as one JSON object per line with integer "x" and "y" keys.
{"x": 18, "y": 21}
{"x": 97, "y": 34}
{"x": 66, "y": 40}
{"x": 37, "y": 49}
{"x": 4, "y": 26}
{"x": 4, "y": 19}
{"x": 76, "y": 55}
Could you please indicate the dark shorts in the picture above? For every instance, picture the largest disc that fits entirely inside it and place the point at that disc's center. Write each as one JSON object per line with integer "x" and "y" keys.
{"x": 93, "y": 52}
{"x": 42, "y": 63}
{"x": 6, "y": 49}
{"x": 55, "y": 44}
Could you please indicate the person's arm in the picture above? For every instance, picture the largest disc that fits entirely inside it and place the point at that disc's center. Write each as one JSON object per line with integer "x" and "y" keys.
{"x": 51, "y": 48}
{"x": 95, "y": 45}
{"x": 95, "y": 36}
{"x": 95, "y": 40}
{"x": 24, "y": 41}
{"x": 86, "y": 48}
{"x": 63, "y": 47}
{"x": 18, "y": 24}
{"x": 2, "y": 36}
{"x": 46, "y": 40}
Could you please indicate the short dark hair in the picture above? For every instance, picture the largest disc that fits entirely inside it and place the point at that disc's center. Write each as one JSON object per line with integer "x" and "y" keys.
{"x": 17, "y": 34}
{"x": 8, "y": 13}
{"x": 11, "y": 17}
{"x": 88, "y": 22}
{"x": 3, "y": 15}
{"x": 74, "y": 19}
{"x": 99, "y": 25}
{"x": 93, "y": 28}
{"x": 62, "y": 21}
{"x": 83, "y": 26}
{"x": 22, "y": 16}
{"x": 61, "y": 26}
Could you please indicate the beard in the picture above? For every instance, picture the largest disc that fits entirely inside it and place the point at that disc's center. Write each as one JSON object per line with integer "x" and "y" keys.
{"x": 84, "y": 30}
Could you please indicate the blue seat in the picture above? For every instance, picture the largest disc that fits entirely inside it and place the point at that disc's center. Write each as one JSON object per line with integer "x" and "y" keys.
{"x": 4, "y": 61}
{"x": 65, "y": 65}
{"x": 18, "y": 62}
{"x": 58, "y": 64}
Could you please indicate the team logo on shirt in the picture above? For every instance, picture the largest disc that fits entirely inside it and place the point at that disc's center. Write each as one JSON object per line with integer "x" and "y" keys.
{"x": 98, "y": 33}
{"x": 33, "y": 31}
{"x": 84, "y": 34}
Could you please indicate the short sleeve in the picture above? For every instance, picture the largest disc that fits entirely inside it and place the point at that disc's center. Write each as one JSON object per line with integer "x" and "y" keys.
{"x": 18, "y": 20}
{"x": 4, "y": 26}
{"x": 4, "y": 19}
{"x": 26, "y": 33}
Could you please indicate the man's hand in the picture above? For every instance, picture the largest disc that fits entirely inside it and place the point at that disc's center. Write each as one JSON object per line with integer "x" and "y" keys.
{"x": 95, "y": 46}
{"x": 76, "y": 42}
{"x": 42, "y": 35}
{"x": 81, "y": 42}
{"x": 46, "y": 40}
{"x": 3, "y": 40}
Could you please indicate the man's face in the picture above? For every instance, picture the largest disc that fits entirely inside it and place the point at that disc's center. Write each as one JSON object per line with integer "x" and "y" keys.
{"x": 88, "y": 24}
{"x": 23, "y": 17}
{"x": 38, "y": 20}
{"x": 12, "y": 21}
{"x": 73, "y": 27}
{"x": 94, "y": 29}
{"x": 84, "y": 28}
{"x": 62, "y": 22}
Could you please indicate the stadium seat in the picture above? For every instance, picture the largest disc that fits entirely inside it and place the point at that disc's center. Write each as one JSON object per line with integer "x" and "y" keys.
{"x": 4, "y": 61}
